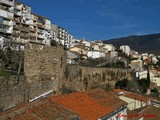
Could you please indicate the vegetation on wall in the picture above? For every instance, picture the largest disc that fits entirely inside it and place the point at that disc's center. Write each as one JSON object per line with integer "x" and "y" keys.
{"x": 12, "y": 60}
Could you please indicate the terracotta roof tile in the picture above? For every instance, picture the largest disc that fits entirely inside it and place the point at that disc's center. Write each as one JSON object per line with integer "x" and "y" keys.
{"x": 152, "y": 112}
{"x": 106, "y": 98}
{"x": 131, "y": 95}
{"x": 44, "y": 109}
{"x": 83, "y": 105}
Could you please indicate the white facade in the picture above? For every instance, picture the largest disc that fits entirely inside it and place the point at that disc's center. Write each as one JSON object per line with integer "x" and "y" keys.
{"x": 95, "y": 47}
{"x": 108, "y": 47}
{"x": 126, "y": 49}
{"x": 88, "y": 44}
{"x": 93, "y": 54}
{"x": 154, "y": 60}
{"x": 143, "y": 75}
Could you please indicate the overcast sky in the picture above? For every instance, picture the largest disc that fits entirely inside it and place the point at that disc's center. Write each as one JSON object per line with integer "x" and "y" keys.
{"x": 101, "y": 19}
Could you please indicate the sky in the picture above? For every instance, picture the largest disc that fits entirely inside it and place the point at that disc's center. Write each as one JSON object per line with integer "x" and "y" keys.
{"x": 101, "y": 19}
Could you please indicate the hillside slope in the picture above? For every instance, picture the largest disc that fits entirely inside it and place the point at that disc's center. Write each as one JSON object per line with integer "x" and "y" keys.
{"x": 144, "y": 43}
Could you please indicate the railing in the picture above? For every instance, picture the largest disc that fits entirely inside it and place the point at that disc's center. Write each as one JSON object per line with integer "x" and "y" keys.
{"x": 33, "y": 34}
{"x": 17, "y": 20}
{"x": 19, "y": 7}
{"x": 18, "y": 13}
{"x": 8, "y": 2}
{"x": 6, "y": 23}
{"x": 17, "y": 26}
{"x": 16, "y": 32}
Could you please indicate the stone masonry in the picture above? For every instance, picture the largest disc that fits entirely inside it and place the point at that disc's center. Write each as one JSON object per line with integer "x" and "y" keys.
{"x": 44, "y": 67}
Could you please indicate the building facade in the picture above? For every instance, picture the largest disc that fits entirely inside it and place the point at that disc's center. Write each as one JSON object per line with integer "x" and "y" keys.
{"x": 19, "y": 25}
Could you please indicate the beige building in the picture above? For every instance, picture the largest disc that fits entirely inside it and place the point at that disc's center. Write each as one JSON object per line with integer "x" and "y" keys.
{"x": 134, "y": 100}
{"x": 79, "y": 49}
{"x": 137, "y": 65}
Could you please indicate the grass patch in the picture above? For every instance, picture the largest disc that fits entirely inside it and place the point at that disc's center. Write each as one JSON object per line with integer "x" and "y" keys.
{"x": 6, "y": 74}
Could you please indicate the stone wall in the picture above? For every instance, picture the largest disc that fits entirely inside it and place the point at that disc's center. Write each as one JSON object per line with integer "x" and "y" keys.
{"x": 81, "y": 78}
{"x": 44, "y": 71}
{"x": 12, "y": 93}
{"x": 44, "y": 68}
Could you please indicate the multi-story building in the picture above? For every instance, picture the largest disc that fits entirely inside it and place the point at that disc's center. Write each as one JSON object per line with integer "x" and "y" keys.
{"x": 44, "y": 32}
{"x": 54, "y": 29}
{"x": 19, "y": 24}
{"x": 62, "y": 35}
{"x": 21, "y": 29}
{"x": 126, "y": 49}
{"x": 6, "y": 21}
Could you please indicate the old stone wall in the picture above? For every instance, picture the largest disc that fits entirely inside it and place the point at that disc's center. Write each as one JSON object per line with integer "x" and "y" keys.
{"x": 44, "y": 71}
{"x": 12, "y": 92}
{"x": 81, "y": 78}
{"x": 44, "y": 68}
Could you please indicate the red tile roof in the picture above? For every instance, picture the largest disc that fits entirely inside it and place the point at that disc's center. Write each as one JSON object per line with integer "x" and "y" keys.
{"x": 148, "y": 113}
{"x": 106, "y": 98}
{"x": 89, "y": 105}
{"x": 132, "y": 95}
{"x": 83, "y": 105}
{"x": 44, "y": 109}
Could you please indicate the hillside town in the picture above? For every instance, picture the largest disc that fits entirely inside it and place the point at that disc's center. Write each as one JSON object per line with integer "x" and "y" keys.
{"x": 137, "y": 98}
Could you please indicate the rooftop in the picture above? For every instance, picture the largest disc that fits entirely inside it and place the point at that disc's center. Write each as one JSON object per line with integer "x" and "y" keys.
{"x": 149, "y": 113}
{"x": 44, "y": 109}
{"x": 83, "y": 105}
{"x": 106, "y": 98}
{"x": 131, "y": 95}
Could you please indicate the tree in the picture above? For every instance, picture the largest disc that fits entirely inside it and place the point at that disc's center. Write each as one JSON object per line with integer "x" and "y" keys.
{"x": 143, "y": 86}
{"x": 133, "y": 86}
{"x": 148, "y": 79}
{"x": 122, "y": 84}
{"x": 155, "y": 93}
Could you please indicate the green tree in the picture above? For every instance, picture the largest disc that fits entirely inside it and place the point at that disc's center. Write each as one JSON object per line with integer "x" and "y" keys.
{"x": 155, "y": 93}
{"x": 133, "y": 86}
{"x": 148, "y": 79}
{"x": 143, "y": 86}
{"x": 122, "y": 84}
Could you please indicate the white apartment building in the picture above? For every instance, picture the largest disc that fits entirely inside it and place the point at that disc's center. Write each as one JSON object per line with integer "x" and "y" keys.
{"x": 6, "y": 21}
{"x": 126, "y": 49}
{"x": 19, "y": 24}
{"x": 94, "y": 54}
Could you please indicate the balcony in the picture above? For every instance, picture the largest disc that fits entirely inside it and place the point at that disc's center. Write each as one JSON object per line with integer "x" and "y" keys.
{"x": 8, "y": 2}
{"x": 40, "y": 25}
{"x": 17, "y": 26}
{"x": 19, "y": 7}
{"x": 31, "y": 28}
{"x": 16, "y": 33}
{"x": 19, "y": 13}
{"x": 23, "y": 35}
{"x": 6, "y": 14}
{"x": 33, "y": 34}
{"x": 25, "y": 29}
{"x": 6, "y": 29}
{"x": 35, "y": 18}
{"x": 33, "y": 39}
{"x": 8, "y": 23}
{"x": 41, "y": 36}
{"x": 26, "y": 22}
{"x": 18, "y": 20}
